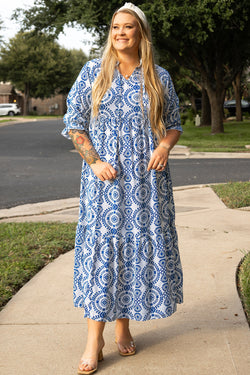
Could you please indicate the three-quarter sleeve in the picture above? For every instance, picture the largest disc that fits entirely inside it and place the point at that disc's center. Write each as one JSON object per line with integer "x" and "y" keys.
{"x": 171, "y": 112}
{"x": 79, "y": 104}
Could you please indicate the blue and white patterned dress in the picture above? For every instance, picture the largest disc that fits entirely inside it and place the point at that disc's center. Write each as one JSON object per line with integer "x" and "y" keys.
{"x": 127, "y": 262}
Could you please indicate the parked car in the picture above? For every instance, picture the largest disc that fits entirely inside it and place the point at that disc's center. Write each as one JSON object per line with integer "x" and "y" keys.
{"x": 230, "y": 105}
{"x": 9, "y": 109}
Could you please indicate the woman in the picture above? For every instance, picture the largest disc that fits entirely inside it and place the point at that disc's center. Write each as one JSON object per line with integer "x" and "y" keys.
{"x": 123, "y": 118}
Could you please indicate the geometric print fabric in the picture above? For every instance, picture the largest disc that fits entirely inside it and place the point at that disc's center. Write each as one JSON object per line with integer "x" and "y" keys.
{"x": 127, "y": 262}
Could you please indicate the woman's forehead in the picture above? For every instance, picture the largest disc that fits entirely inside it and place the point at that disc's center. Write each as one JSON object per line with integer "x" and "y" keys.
{"x": 123, "y": 18}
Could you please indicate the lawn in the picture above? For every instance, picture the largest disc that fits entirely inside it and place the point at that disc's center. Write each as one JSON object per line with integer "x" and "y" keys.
{"x": 25, "y": 248}
{"x": 234, "y": 194}
{"x": 236, "y": 135}
{"x": 237, "y": 195}
{"x": 243, "y": 284}
{"x": 7, "y": 120}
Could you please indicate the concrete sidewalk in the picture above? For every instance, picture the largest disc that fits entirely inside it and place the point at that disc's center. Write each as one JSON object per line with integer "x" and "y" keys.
{"x": 42, "y": 334}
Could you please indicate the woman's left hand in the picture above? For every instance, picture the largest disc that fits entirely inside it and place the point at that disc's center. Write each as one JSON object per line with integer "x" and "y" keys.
{"x": 159, "y": 159}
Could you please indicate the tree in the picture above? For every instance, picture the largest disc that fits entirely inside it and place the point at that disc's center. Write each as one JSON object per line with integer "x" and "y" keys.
{"x": 237, "y": 86}
{"x": 37, "y": 66}
{"x": 201, "y": 35}
{"x": 52, "y": 15}
{"x": 206, "y": 36}
{"x": 78, "y": 59}
{"x": 1, "y": 27}
{"x": 237, "y": 92}
{"x": 206, "y": 109}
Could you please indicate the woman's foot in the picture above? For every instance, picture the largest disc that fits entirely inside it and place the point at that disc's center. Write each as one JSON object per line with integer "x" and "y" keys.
{"x": 125, "y": 347}
{"x": 91, "y": 356}
{"x": 124, "y": 340}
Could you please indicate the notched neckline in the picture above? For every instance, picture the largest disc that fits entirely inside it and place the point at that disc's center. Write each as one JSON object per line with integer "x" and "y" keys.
{"x": 135, "y": 71}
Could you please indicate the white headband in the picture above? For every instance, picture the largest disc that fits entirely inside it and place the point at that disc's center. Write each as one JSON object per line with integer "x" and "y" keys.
{"x": 135, "y": 9}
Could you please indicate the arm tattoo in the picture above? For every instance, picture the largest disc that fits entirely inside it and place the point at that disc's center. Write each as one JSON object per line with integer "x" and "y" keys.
{"x": 84, "y": 146}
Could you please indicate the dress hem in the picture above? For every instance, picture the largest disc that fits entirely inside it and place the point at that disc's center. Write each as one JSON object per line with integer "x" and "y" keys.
{"x": 126, "y": 316}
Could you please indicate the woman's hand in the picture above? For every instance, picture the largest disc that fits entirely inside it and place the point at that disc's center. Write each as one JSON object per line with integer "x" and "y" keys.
{"x": 159, "y": 159}
{"x": 160, "y": 155}
{"x": 103, "y": 170}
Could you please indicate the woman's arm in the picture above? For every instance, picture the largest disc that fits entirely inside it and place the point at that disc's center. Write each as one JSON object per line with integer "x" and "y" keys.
{"x": 103, "y": 170}
{"x": 159, "y": 158}
{"x": 84, "y": 146}
{"x": 171, "y": 119}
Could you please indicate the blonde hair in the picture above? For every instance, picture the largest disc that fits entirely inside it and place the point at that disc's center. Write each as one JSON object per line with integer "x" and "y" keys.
{"x": 151, "y": 80}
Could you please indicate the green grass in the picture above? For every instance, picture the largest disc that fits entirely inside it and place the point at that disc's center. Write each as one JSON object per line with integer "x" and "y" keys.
{"x": 243, "y": 279}
{"x": 7, "y": 120}
{"x": 25, "y": 248}
{"x": 234, "y": 194}
{"x": 236, "y": 135}
{"x": 40, "y": 117}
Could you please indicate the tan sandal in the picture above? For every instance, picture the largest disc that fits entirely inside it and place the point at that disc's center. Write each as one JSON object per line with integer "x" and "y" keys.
{"x": 89, "y": 362}
{"x": 132, "y": 344}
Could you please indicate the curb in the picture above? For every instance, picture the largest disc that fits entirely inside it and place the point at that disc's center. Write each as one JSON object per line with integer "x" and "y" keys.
{"x": 53, "y": 206}
{"x": 40, "y": 208}
{"x": 58, "y": 205}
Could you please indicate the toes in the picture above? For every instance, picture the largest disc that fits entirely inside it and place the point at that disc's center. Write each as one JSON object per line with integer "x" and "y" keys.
{"x": 127, "y": 349}
{"x": 85, "y": 367}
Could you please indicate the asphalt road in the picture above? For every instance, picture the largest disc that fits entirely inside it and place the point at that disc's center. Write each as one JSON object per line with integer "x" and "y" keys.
{"x": 37, "y": 164}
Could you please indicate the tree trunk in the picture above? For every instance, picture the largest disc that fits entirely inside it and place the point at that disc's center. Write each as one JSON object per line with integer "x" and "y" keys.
{"x": 205, "y": 109}
{"x": 64, "y": 105}
{"x": 237, "y": 93}
{"x": 192, "y": 100}
{"x": 216, "y": 98}
{"x": 26, "y": 99}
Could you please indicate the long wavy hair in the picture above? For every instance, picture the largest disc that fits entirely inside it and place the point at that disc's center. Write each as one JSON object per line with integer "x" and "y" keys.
{"x": 151, "y": 80}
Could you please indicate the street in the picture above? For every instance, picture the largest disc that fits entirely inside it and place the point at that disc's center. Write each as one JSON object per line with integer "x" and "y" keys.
{"x": 37, "y": 165}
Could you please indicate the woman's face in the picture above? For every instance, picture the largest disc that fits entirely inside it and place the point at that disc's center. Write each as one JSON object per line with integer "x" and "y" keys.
{"x": 125, "y": 34}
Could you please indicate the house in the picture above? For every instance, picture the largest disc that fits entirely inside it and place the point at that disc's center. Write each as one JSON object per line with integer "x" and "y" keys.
{"x": 55, "y": 105}
{"x": 8, "y": 94}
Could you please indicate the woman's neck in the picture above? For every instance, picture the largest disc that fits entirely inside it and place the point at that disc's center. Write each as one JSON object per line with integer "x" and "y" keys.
{"x": 128, "y": 59}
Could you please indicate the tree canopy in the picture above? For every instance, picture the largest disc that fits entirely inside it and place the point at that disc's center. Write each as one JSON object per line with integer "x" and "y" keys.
{"x": 210, "y": 37}
{"x": 207, "y": 36}
{"x": 52, "y": 15}
{"x": 1, "y": 27}
{"x": 38, "y": 66}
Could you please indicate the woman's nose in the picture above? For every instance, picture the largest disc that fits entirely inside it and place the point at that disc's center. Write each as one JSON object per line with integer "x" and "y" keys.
{"x": 121, "y": 30}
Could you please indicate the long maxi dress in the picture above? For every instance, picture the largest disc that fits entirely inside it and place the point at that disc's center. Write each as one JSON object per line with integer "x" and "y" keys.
{"x": 127, "y": 262}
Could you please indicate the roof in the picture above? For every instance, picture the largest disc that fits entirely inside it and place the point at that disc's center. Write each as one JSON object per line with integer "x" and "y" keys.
{"x": 6, "y": 89}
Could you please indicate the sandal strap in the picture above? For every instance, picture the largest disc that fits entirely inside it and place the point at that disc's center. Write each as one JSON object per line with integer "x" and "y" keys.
{"x": 131, "y": 343}
{"x": 88, "y": 361}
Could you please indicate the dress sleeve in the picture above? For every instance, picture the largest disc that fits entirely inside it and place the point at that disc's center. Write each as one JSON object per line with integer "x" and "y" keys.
{"x": 171, "y": 113}
{"x": 78, "y": 104}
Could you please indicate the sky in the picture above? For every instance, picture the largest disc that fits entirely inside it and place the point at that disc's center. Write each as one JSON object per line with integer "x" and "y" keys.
{"x": 72, "y": 37}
